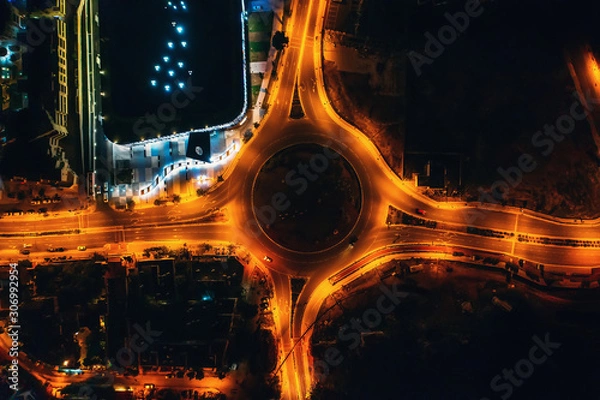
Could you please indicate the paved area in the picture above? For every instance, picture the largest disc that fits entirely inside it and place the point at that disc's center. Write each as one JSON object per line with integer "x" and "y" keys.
{"x": 160, "y": 169}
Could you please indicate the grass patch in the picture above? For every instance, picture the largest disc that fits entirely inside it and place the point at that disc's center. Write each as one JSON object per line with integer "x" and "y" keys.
{"x": 260, "y": 22}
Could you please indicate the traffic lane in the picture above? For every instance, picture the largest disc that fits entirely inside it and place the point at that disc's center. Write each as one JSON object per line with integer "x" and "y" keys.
{"x": 403, "y": 199}
{"x": 575, "y": 230}
{"x": 213, "y": 231}
{"x": 545, "y": 254}
{"x": 95, "y": 240}
{"x": 11, "y": 248}
{"x": 573, "y": 257}
{"x": 28, "y": 223}
{"x": 245, "y": 221}
{"x": 281, "y": 314}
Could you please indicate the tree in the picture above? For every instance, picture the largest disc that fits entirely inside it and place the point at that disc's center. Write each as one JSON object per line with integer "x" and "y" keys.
{"x": 279, "y": 40}
{"x": 21, "y": 195}
{"x": 167, "y": 394}
{"x": 247, "y": 136}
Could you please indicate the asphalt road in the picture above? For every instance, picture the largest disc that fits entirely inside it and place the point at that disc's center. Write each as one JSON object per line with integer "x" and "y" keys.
{"x": 301, "y": 63}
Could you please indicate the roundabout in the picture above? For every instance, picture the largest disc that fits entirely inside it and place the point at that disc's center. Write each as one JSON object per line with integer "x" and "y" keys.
{"x": 260, "y": 198}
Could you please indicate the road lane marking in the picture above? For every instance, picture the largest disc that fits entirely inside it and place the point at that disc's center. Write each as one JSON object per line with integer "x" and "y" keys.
{"x": 514, "y": 241}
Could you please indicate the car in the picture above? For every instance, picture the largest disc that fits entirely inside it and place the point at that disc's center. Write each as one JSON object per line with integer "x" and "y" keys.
{"x": 25, "y": 252}
{"x": 353, "y": 240}
{"x": 149, "y": 386}
{"x": 267, "y": 259}
{"x": 27, "y": 246}
{"x": 81, "y": 248}
{"x": 105, "y": 197}
{"x": 420, "y": 211}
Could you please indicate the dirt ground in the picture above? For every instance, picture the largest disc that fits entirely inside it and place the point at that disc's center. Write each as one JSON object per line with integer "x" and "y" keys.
{"x": 365, "y": 99}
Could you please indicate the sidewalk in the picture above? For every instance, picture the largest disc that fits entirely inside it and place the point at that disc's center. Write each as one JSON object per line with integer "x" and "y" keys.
{"x": 277, "y": 6}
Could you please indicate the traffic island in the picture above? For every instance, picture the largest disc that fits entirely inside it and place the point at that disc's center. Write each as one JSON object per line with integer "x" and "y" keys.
{"x": 306, "y": 198}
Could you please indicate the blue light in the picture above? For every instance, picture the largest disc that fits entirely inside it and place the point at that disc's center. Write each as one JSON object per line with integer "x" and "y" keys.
{"x": 157, "y": 67}
{"x": 174, "y": 7}
{"x": 166, "y": 59}
{"x": 181, "y": 85}
{"x": 179, "y": 29}
{"x": 153, "y": 82}
{"x": 170, "y": 44}
{"x": 184, "y": 7}
{"x": 180, "y": 64}
{"x": 171, "y": 73}
{"x": 167, "y": 88}
{"x": 170, "y": 3}
{"x": 183, "y": 44}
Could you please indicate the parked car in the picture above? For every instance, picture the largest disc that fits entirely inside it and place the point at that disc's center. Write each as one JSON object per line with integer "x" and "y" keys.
{"x": 81, "y": 248}
{"x": 267, "y": 259}
{"x": 420, "y": 211}
{"x": 353, "y": 240}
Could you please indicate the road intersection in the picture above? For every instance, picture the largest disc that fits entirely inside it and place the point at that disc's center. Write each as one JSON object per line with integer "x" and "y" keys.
{"x": 301, "y": 64}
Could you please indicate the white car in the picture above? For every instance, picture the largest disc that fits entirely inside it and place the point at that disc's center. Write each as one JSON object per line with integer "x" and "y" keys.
{"x": 267, "y": 259}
